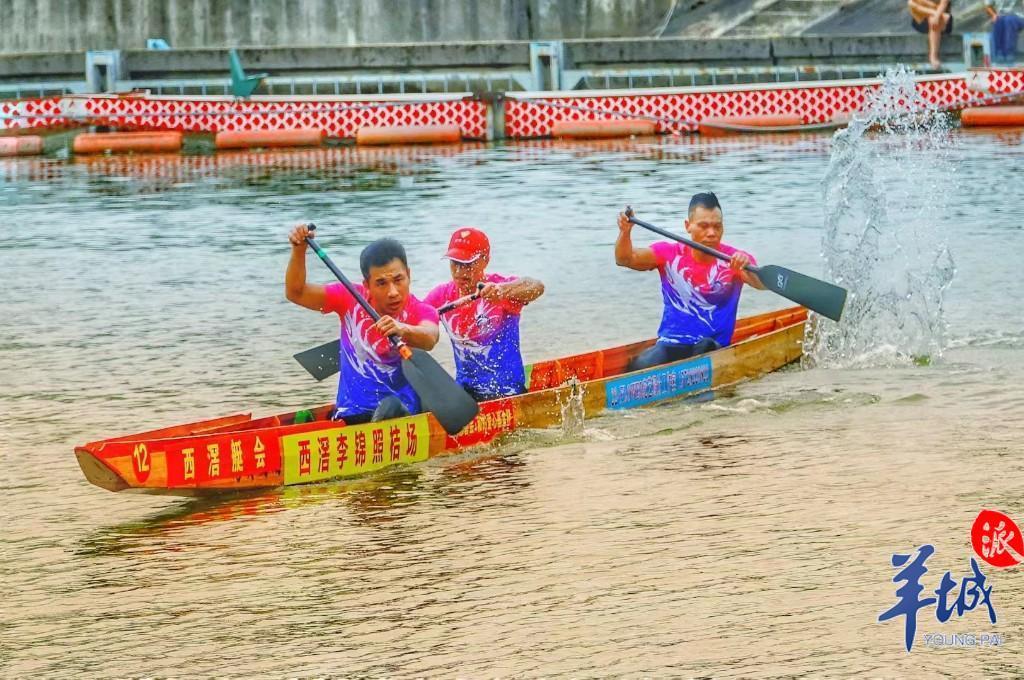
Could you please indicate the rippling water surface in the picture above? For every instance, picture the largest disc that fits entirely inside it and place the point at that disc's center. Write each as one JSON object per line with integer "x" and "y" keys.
{"x": 749, "y": 534}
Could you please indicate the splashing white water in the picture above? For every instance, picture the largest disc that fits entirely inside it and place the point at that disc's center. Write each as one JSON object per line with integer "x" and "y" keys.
{"x": 886, "y": 198}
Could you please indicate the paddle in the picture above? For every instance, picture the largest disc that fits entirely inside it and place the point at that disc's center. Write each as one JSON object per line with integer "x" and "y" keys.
{"x": 322, "y": 361}
{"x": 819, "y": 296}
{"x": 438, "y": 391}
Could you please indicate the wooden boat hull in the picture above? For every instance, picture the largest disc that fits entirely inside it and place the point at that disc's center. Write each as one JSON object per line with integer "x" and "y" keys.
{"x": 237, "y": 452}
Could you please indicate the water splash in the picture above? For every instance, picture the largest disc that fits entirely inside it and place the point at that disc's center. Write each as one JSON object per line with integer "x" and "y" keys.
{"x": 886, "y": 198}
{"x": 573, "y": 412}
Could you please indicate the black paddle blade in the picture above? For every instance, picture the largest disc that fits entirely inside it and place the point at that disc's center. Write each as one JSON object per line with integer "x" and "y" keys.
{"x": 322, "y": 361}
{"x": 439, "y": 392}
{"x": 818, "y": 296}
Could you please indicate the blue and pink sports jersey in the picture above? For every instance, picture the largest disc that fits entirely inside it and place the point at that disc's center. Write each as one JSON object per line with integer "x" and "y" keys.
{"x": 485, "y": 337}
{"x": 700, "y": 299}
{"x": 370, "y": 367}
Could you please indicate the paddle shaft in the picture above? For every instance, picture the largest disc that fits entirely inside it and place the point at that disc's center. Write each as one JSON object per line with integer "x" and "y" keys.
{"x": 822, "y": 297}
{"x": 707, "y": 250}
{"x": 341, "y": 277}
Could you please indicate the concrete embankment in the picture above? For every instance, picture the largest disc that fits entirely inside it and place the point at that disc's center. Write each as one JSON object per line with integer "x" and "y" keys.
{"x": 56, "y": 25}
{"x": 489, "y": 56}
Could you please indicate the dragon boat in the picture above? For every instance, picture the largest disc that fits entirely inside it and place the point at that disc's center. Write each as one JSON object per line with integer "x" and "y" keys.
{"x": 238, "y": 452}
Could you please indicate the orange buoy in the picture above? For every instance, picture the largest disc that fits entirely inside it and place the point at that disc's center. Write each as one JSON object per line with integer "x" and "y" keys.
{"x": 602, "y": 129}
{"x": 29, "y": 145}
{"x": 127, "y": 142}
{"x": 248, "y": 139}
{"x": 733, "y": 125}
{"x": 409, "y": 134}
{"x": 992, "y": 115}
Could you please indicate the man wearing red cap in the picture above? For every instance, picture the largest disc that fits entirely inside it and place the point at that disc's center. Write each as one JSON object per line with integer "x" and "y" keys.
{"x": 485, "y": 331}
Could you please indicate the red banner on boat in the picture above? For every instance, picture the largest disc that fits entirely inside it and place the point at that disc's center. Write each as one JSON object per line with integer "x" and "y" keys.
{"x": 495, "y": 417}
{"x": 206, "y": 459}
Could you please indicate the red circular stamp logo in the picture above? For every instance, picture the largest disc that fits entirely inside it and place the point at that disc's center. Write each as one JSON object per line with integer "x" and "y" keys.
{"x": 996, "y": 539}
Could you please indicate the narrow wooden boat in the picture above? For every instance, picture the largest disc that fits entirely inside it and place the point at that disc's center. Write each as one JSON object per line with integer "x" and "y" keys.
{"x": 238, "y": 452}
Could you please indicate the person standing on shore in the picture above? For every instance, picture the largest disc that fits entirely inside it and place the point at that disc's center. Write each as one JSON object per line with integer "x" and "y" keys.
{"x": 935, "y": 19}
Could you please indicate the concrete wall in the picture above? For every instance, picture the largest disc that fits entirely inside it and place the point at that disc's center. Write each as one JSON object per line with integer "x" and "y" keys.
{"x": 72, "y": 25}
{"x": 494, "y": 56}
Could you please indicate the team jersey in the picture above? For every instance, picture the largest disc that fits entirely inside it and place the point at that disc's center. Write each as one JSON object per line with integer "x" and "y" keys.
{"x": 700, "y": 299}
{"x": 485, "y": 337}
{"x": 370, "y": 367}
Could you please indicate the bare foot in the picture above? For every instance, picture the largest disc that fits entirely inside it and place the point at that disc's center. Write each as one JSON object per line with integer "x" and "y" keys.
{"x": 936, "y": 65}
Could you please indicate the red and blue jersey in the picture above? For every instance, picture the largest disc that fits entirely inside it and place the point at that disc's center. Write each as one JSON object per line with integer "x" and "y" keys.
{"x": 370, "y": 367}
{"x": 485, "y": 338}
{"x": 700, "y": 299}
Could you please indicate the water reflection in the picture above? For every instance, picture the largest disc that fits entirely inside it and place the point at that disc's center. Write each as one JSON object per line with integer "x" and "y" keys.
{"x": 688, "y": 530}
{"x": 383, "y": 498}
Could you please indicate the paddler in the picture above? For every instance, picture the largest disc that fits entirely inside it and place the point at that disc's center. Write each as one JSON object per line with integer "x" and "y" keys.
{"x": 485, "y": 330}
{"x": 371, "y": 384}
{"x": 701, "y": 293}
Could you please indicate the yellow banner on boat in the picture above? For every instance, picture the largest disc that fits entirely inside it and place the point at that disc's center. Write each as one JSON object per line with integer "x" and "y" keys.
{"x": 354, "y": 449}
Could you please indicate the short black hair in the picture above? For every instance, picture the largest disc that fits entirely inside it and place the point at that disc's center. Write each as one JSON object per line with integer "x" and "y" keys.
{"x": 706, "y": 200}
{"x": 379, "y": 253}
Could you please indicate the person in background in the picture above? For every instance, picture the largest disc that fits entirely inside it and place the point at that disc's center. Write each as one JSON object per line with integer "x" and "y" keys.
{"x": 1007, "y": 23}
{"x": 935, "y": 19}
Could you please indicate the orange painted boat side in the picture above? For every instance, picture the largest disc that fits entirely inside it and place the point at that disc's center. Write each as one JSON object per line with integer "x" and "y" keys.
{"x": 124, "y": 142}
{"x": 248, "y": 139}
{"x": 984, "y": 116}
{"x": 602, "y": 129}
{"x": 237, "y": 452}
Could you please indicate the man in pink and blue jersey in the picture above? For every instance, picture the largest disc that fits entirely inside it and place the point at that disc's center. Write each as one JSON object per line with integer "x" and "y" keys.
{"x": 371, "y": 384}
{"x": 484, "y": 331}
{"x": 701, "y": 293}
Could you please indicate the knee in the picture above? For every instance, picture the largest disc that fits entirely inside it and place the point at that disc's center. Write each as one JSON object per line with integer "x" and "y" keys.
{"x": 389, "y": 407}
{"x": 934, "y": 24}
{"x": 706, "y": 345}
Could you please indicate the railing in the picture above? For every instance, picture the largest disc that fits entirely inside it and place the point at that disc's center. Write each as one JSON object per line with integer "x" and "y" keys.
{"x": 42, "y": 89}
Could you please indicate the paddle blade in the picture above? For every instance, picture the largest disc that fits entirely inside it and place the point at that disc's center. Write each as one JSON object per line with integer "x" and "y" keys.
{"x": 818, "y": 296}
{"x": 322, "y": 361}
{"x": 439, "y": 392}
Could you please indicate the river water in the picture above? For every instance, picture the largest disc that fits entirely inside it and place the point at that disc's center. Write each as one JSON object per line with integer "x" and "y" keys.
{"x": 746, "y": 535}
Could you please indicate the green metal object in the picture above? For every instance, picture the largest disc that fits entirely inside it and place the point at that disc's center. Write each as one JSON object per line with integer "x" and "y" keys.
{"x": 305, "y": 416}
{"x": 241, "y": 84}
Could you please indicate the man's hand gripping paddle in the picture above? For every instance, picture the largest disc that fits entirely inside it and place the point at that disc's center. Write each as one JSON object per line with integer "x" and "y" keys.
{"x": 322, "y": 361}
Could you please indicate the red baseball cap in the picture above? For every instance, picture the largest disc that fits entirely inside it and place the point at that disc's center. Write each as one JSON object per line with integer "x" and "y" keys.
{"x": 468, "y": 245}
